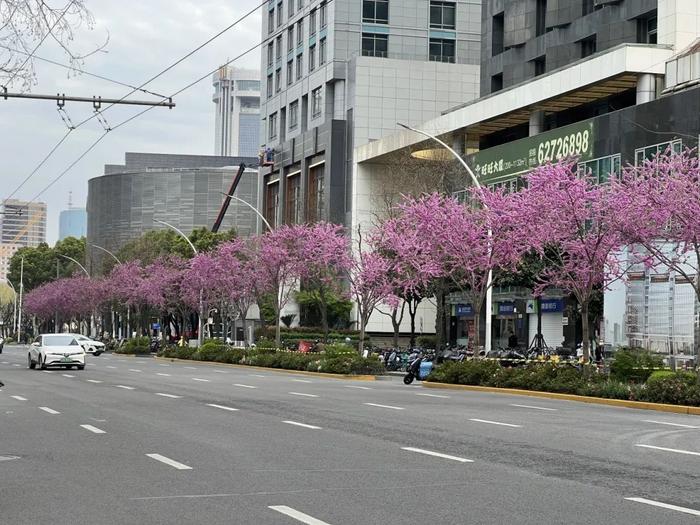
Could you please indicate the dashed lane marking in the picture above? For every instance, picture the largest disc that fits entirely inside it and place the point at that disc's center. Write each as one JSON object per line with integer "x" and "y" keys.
{"x": 93, "y": 381}
{"x": 358, "y": 387}
{"x": 495, "y": 423}
{"x": 301, "y": 380}
{"x": 19, "y": 398}
{"x": 668, "y": 506}
{"x": 302, "y": 394}
{"x": 383, "y": 406}
{"x": 304, "y": 425}
{"x": 67, "y": 375}
{"x": 299, "y": 516}
{"x": 434, "y": 395}
{"x": 222, "y": 407}
{"x": 534, "y": 407}
{"x": 244, "y": 386}
{"x": 161, "y": 374}
{"x": 94, "y": 430}
{"x": 200, "y": 379}
{"x": 668, "y": 423}
{"x": 437, "y": 454}
{"x": 168, "y": 461}
{"x": 664, "y": 449}
{"x": 125, "y": 387}
{"x": 49, "y": 410}
{"x": 168, "y": 395}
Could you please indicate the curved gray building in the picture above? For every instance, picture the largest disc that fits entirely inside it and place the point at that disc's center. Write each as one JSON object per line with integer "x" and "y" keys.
{"x": 184, "y": 190}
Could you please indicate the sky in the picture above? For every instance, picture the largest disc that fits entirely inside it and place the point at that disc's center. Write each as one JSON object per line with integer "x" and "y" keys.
{"x": 144, "y": 38}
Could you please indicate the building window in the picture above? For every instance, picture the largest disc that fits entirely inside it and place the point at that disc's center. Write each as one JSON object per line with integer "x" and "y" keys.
{"x": 300, "y": 32}
{"x": 663, "y": 148}
{"x": 300, "y": 66}
{"x": 442, "y": 15}
{"x": 312, "y": 22}
{"x": 324, "y": 14}
{"x": 314, "y": 196}
{"x": 496, "y": 82}
{"x": 271, "y": 21}
{"x": 374, "y": 45}
{"x": 294, "y": 114}
{"x": 497, "y": 35}
{"x": 278, "y": 47}
{"x": 588, "y": 46}
{"x": 290, "y": 39}
{"x": 279, "y": 14}
{"x": 300, "y": 4}
{"x": 272, "y": 199}
{"x": 441, "y": 50}
{"x": 540, "y": 65}
{"x": 272, "y": 126}
{"x": 291, "y": 8}
{"x": 540, "y": 17}
{"x": 316, "y": 103}
{"x": 375, "y": 11}
{"x": 312, "y": 58}
{"x": 290, "y": 72}
{"x": 269, "y": 85}
{"x": 601, "y": 170}
{"x": 322, "y": 51}
{"x": 588, "y": 7}
{"x": 278, "y": 80}
{"x": 293, "y": 200}
{"x": 647, "y": 29}
{"x": 270, "y": 54}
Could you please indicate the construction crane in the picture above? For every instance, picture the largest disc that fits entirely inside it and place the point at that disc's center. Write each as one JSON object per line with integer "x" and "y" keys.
{"x": 227, "y": 199}
{"x": 31, "y": 222}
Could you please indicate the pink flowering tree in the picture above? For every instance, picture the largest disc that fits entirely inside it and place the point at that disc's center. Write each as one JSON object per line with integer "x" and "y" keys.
{"x": 657, "y": 206}
{"x": 162, "y": 289}
{"x": 570, "y": 221}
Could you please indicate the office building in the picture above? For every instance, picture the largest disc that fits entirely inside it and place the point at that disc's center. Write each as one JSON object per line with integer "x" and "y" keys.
{"x": 184, "y": 190}
{"x": 72, "y": 223}
{"x": 237, "y": 99}
{"x": 340, "y": 74}
{"x": 23, "y": 223}
{"x": 617, "y": 94}
{"x": 6, "y": 253}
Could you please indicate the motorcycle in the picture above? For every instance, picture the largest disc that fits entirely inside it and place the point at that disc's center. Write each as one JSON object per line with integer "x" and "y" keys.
{"x": 419, "y": 369}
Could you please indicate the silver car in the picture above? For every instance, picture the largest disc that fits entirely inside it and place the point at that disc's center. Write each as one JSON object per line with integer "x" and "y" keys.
{"x": 56, "y": 350}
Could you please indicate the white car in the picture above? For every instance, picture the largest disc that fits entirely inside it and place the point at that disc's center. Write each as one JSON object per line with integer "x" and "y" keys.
{"x": 56, "y": 350}
{"x": 90, "y": 346}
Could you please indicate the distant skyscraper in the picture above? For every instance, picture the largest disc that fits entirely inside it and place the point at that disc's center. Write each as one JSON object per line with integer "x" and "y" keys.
{"x": 72, "y": 223}
{"x": 237, "y": 99}
{"x": 6, "y": 253}
{"x": 23, "y": 223}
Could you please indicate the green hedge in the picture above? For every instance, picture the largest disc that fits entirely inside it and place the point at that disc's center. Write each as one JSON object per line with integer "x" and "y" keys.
{"x": 680, "y": 388}
{"x": 137, "y": 345}
{"x": 634, "y": 364}
{"x": 337, "y": 359}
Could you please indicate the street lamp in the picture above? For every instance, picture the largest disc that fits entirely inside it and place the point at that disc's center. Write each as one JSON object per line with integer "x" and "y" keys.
{"x": 489, "y": 234}
{"x": 128, "y": 309}
{"x": 201, "y": 291}
{"x": 250, "y": 206}
{"x": 76, "y": 262}
{"x": 93, "y": 328}
{"x": 14, "y": 312}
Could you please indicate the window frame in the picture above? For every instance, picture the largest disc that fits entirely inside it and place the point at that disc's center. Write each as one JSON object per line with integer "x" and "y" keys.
{"x": 374, "y": 37}
{"x": 442, "y": 42}
{"x": 312, "y": 58}
{"x": 322, "y": 51}
{"x": 316, "y": 102}
{"x": 294, "y": 114}
{"x": 272, "y": 126}
{"x": 442, "y": 6}
{"x": 374, "y": 19}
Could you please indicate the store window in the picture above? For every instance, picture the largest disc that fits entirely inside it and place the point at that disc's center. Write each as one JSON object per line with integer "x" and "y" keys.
{"x": 663, "y": 148}
{"x": 442, "y": 15}
{"x": 375, "y": 11}
{"x": 374, "y": 45}
{"x": 601, "y": 170}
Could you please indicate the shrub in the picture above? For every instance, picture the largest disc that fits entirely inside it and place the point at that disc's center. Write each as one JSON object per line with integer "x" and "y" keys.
{"x": 672, "y": 387}
{"x": 209, "y": 351}
{"x": 338, "y": 349}
{"x": 177, "y": 352}
{"x": 471, "y": 372}
{"x": 426, "y": 341}
{"x": 231, "y": 356}
{"x": 634, "y": 365}
{"x": 137, "y": 345}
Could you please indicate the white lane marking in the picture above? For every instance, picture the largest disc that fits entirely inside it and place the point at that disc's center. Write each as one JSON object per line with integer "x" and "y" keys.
{"x": 168, "y": 461}
{"x": 161, "y": 374}
{"x": 302, "y": 394}
{"x": 220, "y": 372}
{"x": 299, "y": 516}
{"x": 191, "y": 367}
{"x": 5, "y": 362}
{"x": 19, "y": 398}
{"x": 49, "y": 410}
{"x": 93, "y": 381}
{"x": 437, "y": 454}
{"x": 667, "y": 423}
{"x": 296, "y": 423}
{"x": 222, "y": 407}
{"x": 47, "y": 371}
{"x": 135, "y": 370}
{"x": 301, "y": 380}
{"x": 434, "y": 395}
{"x": 125, "y": 387}
{"x": 383, "y": 406}
{"x": 685, "y": 510}
{"x": 198, "y": 379}
{"x": 109, "y": 366}
{"x": 15, "y": 364}
{"x": 676, "y": 450}
{"x": 94, "y": 430}
{"x": 162, "y": 364}
{"x": 495, "y": 423}
{"x": 257, "y": 375}
{"x": 244, "y": 386}
{"x": 168, "y": 395}
{"x": 67, "y": 375}
{"x": 358, "y": 387}
{"x": 534, "y": 407}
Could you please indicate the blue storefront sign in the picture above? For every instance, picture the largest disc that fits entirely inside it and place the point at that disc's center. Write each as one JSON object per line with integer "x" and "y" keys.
{"x": 506, "y": 308}
{"x": 464, "y": 310}
{"x": 155, "y": 326}
{"x": 552, "y": 305}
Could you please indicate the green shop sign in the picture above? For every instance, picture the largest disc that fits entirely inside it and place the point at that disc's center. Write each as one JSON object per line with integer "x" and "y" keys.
{"x": 500, "y": 162}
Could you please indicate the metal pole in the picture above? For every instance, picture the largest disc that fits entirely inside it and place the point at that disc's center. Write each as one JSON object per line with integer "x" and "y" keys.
{"x": 114, "y": 332}
{"x": 251, "y": 207}
{"x": 21, "y": 291}
{"x": 201, "y": 291}
{"x": 76, "y": 262}
{"x": 55, "y": 321}
{"x": 475, "y": 181}
{"x": 14, "y": 311}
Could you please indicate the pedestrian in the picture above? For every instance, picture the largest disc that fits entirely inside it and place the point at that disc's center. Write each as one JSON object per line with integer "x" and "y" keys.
{"x": 512, "y": 341}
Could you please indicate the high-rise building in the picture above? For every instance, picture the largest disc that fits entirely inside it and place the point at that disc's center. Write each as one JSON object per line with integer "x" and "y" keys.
{"x": 23, "y": 223}
{"x": 237, "y": 99}
{"x": 6, "y": 253}
{"x": 339, "y": 74}
{"x": 72, "y": 223}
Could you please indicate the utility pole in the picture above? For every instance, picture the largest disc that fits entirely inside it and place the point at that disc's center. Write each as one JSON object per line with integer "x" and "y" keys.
{"x": 55, "y": 322}
{"x": 21, "y": 292}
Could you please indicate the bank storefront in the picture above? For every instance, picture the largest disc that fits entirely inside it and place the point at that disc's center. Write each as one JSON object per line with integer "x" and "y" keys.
{"x": 647, "y": 310}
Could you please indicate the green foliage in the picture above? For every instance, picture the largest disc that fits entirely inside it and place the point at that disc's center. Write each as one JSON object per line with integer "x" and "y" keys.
{"x": 339, "y": 308}
{"x": 426, "y": 341}
{"x": 632, "y": 364}
{"x": 177, "y": 352}
{"x": 673, "y": 388}
{"x": 471, "y": 372}
{"x": 287, "y": 320}
{"x": 137, "y": 345}
{"x": 209, "y": 351}
{"x": 42, "y": 262}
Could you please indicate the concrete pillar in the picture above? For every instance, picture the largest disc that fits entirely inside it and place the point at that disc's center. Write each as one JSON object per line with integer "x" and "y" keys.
{"x": 458, "y": 143}
{"x": 646, "y": 88}
{"x": 338, "y": 93}
{"x": 536, "y": 122}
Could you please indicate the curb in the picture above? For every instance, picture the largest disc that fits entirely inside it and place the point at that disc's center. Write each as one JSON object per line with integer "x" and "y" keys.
{"x": 269, "y": 369}
{"x": 678, "y": 409}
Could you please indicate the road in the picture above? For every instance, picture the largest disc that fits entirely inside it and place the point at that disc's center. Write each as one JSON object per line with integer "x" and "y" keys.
{"x": 142, "y": 441}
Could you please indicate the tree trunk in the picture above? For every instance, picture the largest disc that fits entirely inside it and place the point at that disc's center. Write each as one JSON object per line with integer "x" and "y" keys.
{"x": 361, "y": 344}
{"x": 477, "y": 328}
{"x": 323, "y": 309}
{"x": 412, "y": 311}
{"x": 440, "y": 338}
{"x": 585, "y": 332}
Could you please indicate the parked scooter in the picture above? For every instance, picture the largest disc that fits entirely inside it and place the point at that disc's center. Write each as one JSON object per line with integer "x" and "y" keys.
{"x": 419, "y": 368}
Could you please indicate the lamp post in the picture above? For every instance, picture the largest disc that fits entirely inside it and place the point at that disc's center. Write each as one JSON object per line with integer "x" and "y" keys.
{"x": 128, "y": 309}
{"x": 92, "y": 317}
{"x": 19, "y": 308}
{"x": 76, "y": 262}
{"x": 251, "y": 207}
{"x": 14, "y": 311}
{"x": 201, "y": 291}
{"x": 489, "y": 234}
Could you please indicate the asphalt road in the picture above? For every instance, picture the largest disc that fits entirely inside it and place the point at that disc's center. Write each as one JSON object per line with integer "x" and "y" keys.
{"x": 140, "y": 441}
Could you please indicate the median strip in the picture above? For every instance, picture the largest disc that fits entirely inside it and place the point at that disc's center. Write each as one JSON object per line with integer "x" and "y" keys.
{"x": 668, "y": 506}
{"x": 676, "y": 450}
{"x": 168, "y": 461}
{"x": 495, "y": 423}
{"x": 437, "y": 454}
{"x": 299, "y": 516}
{"x": 304, "y": 425}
